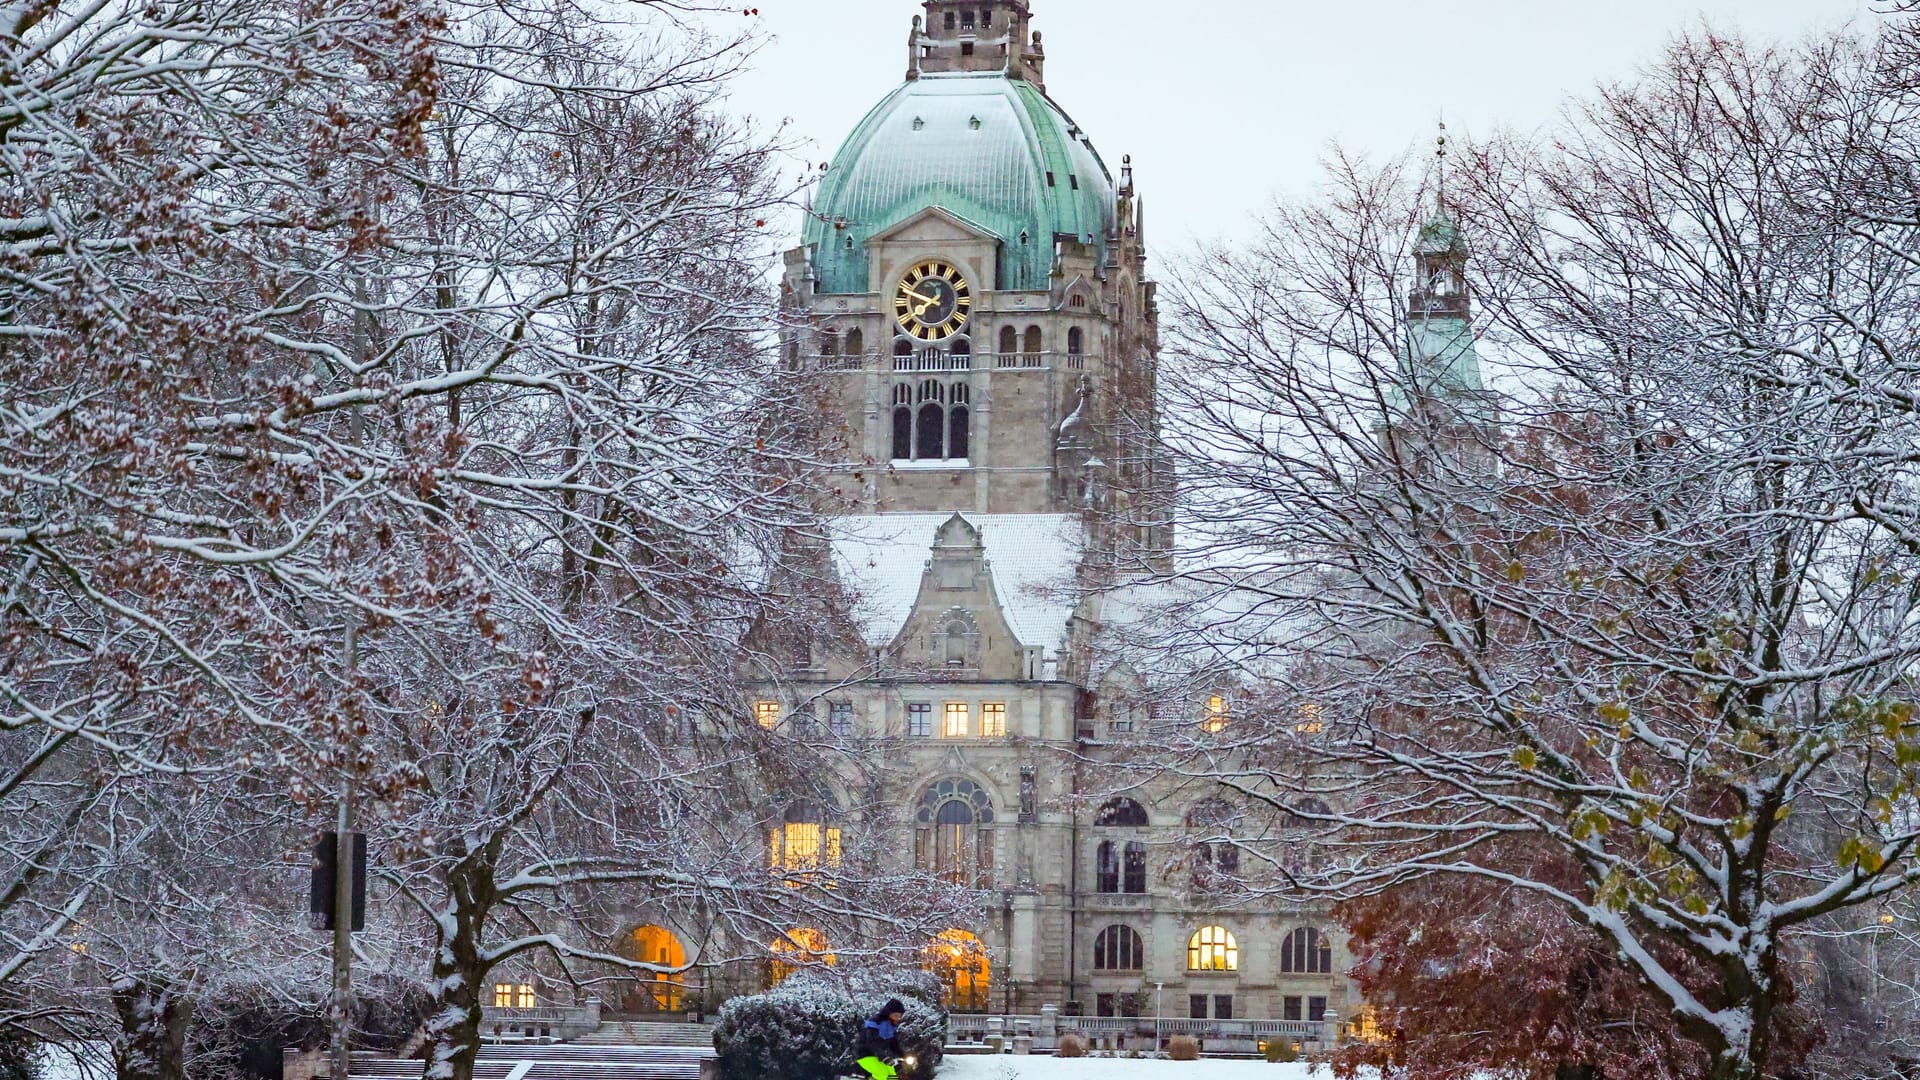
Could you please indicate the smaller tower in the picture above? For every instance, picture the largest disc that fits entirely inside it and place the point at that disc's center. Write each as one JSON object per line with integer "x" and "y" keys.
{"x": 985, "y": 36}
{"x": 1438, "y": 402}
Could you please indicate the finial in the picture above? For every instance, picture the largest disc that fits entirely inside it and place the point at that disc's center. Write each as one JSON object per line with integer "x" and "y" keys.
{"x": 1126, "y": 173}
{"x": 1440, "y": 169}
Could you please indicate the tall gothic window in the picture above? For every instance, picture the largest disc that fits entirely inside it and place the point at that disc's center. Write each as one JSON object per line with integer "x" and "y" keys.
{"x": 856, "y": 342}
{"x": 1074, "y": 341}
{"x": 1122, "y": 867}
{"x": 1033, "y": 342}
{"x": 807, "y": 838}
{"x": 953, "y": 835}
{"x": 1306, "y": 952}
{"x": 1216, "y": 857}
{"x": 931, "y": 421}
{"x": 1009, "y": 340}
{"x": 1118, "y": 948}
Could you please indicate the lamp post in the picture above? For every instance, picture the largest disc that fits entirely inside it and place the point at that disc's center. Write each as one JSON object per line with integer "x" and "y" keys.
{"x": 1157, "y": 987}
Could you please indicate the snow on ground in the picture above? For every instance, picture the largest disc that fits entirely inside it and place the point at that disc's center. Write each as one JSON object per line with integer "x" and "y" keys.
{"x": 1014, "y": 1067}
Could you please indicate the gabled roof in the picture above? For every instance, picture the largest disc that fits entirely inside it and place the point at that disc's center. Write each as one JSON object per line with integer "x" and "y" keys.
{"x": 1034, "y": 560}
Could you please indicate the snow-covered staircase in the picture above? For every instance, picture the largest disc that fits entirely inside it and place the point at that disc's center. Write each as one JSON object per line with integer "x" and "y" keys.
{"x": 649, "y": 1033}
{"x": 557, "y": 1061}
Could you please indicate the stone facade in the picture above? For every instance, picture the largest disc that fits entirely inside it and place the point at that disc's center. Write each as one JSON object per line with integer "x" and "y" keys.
{"x": 971, "y": 685}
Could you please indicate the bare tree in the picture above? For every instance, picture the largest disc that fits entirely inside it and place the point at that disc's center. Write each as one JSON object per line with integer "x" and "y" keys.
{"x": 1651, "y": 615}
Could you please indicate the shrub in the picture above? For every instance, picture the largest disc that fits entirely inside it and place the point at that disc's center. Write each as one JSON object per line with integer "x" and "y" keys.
{"x": 1072, "y": 1044}
{"x": 1280, "y": 1050}
{"x": 1183, "y": 1048}
{"x": 804, "y": 1029}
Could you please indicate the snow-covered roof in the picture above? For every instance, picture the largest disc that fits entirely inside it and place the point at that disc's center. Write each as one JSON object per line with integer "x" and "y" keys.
{"x": 1034, "y": 560}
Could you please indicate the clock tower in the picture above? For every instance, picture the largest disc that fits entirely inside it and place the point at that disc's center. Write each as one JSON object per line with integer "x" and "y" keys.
{"x": 973, "y": 275}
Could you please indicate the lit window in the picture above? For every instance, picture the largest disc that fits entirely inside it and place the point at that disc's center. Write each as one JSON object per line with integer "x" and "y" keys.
{"x": 1211, "y": 948}
{"x": 919, "y": 719}
{"x": 993, "y": 720}
{"x": 503, "y": 995}
{"x": 954, "y": 726}
{"x": 807, "y": 839}
{"x": 1311, "y": 721}
{"x": 524, "y": 995}
{"x": 840, "y": 718}
{"x": 1215, "y": 719}
{"x": 766, "y": 714}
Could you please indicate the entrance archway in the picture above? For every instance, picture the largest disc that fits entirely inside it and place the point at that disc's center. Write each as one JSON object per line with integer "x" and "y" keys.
{"x": 662, "y": 991}
{"x": 797, "y": 949}
{"x": 959, "y": 960}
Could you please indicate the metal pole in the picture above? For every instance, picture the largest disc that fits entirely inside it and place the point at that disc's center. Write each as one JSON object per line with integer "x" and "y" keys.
{"x": 1157, "y": 987}
{"x": 342, "y": 1012}
{"x": 341, "y": 1056}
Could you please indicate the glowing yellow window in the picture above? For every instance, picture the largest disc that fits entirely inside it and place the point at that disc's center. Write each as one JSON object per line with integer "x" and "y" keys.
{"x": 766, "y": 714}
{"x": 993, "y": 720}
{"x": 503, "y": 995}
{"x": 1214, "y": 720}
{"x": 1212, "y": 948}
{"x": 955, "y": 724}
{"x": 804, "y": 841}
{"x": 1310, "y": 722}
{"x": 523, "y": 995}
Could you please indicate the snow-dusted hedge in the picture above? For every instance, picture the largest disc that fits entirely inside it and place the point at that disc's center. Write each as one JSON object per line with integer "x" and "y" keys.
{"x": 804, "y": 1029}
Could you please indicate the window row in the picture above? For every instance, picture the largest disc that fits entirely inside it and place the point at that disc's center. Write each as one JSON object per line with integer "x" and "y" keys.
{"x": 1304, "y": 951}
{"x": 1012, "y": 340}
{"x": 803, "y": 720}
{"x": 956, "y": 719}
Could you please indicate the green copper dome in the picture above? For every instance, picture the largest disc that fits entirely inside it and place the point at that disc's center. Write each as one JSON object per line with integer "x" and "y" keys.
{"x": 992, "y": 150}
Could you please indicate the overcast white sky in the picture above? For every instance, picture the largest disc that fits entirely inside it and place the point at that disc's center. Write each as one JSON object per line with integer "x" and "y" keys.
{"x": 1226, "y": 103}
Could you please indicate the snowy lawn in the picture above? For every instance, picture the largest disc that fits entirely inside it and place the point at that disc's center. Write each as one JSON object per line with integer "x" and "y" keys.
{"x": 1013, "y": 1067}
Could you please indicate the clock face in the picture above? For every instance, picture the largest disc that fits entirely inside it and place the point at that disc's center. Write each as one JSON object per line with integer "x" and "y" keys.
{"x": 932, "y": 300}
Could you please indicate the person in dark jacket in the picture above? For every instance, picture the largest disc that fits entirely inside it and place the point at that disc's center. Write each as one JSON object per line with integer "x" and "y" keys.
{"x": 878, "y": 1047}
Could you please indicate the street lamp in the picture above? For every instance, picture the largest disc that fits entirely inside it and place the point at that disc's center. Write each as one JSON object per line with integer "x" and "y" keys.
{"x": 1157, "y": 987}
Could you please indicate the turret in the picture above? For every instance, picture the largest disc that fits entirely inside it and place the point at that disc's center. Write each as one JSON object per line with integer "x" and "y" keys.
{"x": 988, "y": 36}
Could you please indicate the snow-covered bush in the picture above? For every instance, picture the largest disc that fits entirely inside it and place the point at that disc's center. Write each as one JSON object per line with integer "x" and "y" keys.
{"x": 804, "y": 1029}
{"x": 1183, "y": 1048}
{"x": 1072, "y": 1044}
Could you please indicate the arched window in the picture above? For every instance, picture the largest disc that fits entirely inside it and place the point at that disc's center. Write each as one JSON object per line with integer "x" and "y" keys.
{"x": 1211, "y": 948}
{"x": 1306, "y": 952}
{"x": 959, "y": 960}
{"x": 962, "y": 346}
{"x": 795, "y": 949}
{"x": 1009, "y": 340}
{"x": 661, "y": 990}
{"x": 1032, "y": 344}
{"x": 959, "y": 643}
{"x": 902, "y": 346}
{"x": 902, "y": 422}
{"x": 1121, "y": 867}
{"x": 1215, "y": 855}
{"x": 1073, "y": 341}
{"x": 957, "y": 418}
{"x": 1078, "y": 301}
{"x": 807, "y": 838}
{"x": 856, "y": 342}
{"x": 1121, "y": 812}
{"x": 1118, "y": 948}
{"x": 953, "y": 838}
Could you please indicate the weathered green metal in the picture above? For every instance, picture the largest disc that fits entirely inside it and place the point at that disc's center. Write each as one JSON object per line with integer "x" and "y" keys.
{"x": 979, "y": 146}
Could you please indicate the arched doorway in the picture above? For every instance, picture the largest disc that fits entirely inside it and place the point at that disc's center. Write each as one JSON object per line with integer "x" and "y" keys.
{"x": 959, "y": 961}
{"x": 797, "y": 949}
{"x": 662, "y": 991}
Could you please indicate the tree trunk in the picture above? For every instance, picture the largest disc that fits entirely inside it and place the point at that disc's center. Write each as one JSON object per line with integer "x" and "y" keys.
{"x": 460, "y": 976}
{"x": 152, "y": 1041}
